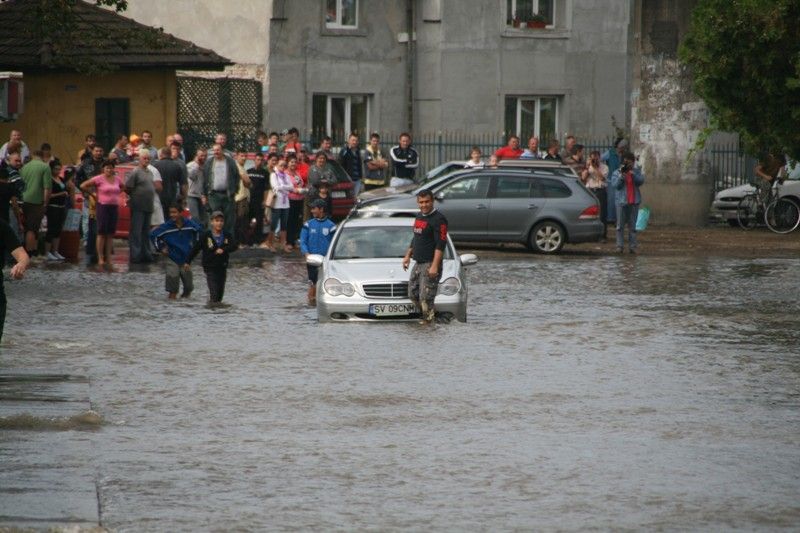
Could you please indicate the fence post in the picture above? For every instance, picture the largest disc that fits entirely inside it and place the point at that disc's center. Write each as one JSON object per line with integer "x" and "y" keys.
{"x": 440, "y": 151}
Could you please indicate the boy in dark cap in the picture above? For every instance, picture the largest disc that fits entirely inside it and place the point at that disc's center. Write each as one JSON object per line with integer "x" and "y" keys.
{"x": 216, "y": 245}
{"x": 315, "y": 238}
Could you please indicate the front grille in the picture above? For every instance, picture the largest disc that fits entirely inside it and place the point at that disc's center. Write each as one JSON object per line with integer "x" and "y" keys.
{"x": 386, "y": 290}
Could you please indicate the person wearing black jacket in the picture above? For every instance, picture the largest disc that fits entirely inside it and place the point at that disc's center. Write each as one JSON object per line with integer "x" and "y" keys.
{"x": 427, "y": 250}
{"x": 90, "y": 167}
{"x": 9, "y": 244}
{"x": 353, "y": 163}
{"x": 216, "y": 245}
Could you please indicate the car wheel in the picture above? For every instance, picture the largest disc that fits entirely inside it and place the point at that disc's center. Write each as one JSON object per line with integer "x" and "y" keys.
{"x": 547, "y": 237}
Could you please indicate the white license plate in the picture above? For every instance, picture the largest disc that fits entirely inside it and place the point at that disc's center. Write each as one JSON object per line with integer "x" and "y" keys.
{"x": 339, "y": 194}
{"x": 391, "y": 309}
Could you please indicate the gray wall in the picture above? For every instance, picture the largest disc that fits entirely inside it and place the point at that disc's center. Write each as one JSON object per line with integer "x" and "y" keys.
{"x": 470, "y": 60}
{"x": 467, "y": 60}
{"x": 668, "y": 117}
{"x": 305, "y": 58}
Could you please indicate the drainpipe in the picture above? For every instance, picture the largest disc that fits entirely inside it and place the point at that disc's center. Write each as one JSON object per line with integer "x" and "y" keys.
{"x": 410, "y": 64}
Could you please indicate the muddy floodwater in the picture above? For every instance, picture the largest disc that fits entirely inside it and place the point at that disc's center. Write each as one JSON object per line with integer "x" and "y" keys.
{"x": 583, "y": 392}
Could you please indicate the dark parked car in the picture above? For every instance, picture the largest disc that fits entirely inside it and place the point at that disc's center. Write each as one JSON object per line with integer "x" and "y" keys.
{"x": 541, "y": 209}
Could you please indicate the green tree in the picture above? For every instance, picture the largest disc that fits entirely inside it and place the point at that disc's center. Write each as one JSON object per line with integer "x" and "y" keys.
{"x": 745, "y": 59}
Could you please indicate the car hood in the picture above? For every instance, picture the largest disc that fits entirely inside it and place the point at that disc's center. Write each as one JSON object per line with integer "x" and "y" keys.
{"x": 735, "y": 192}
{"x": 363, "y": 271}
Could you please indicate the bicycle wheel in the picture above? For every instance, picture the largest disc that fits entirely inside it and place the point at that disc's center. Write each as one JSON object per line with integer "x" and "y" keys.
{"x": 747, "y": 211}
{"x": 783, "y": 216}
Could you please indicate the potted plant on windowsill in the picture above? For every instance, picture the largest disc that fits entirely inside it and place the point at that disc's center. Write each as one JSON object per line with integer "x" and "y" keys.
{"x": 537, "y": 21}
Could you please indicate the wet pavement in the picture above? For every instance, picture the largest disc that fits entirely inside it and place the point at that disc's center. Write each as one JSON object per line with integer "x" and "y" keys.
{"x": 586, "y": 391}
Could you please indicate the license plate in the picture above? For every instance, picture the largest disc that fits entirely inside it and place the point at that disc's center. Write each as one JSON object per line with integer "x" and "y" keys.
{"x": 339, "y": 194}
{"x": 391, "y": 309}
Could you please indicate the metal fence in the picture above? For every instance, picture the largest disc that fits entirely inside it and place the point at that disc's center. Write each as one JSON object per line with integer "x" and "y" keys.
{"x": 729, "y": 166}
{"x": 208, "y": 106}
{"x": 436, "y": 148}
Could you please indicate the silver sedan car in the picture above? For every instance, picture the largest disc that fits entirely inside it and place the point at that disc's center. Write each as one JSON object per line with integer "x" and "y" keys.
{"x": 361, "y": 278}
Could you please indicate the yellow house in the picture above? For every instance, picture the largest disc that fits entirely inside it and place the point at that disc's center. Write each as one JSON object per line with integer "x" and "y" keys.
{"x": 62, "y": 106}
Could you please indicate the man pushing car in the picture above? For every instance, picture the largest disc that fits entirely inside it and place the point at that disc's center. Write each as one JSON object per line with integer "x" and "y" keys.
{"x": 427, "y": 250}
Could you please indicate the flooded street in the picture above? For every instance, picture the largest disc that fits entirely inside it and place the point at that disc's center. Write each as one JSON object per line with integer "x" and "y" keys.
{"x": 583, "y": 392}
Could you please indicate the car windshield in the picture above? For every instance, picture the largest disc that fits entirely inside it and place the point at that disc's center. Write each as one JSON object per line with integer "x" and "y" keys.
{"x": 374, "y": 242}
{"x": 441, "y": 171}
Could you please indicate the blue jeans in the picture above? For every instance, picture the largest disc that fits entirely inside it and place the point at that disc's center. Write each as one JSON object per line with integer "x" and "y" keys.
{"x": 139, "y": 237}
{"x": 627, "y": 214}
{"x": 197, "y": 210}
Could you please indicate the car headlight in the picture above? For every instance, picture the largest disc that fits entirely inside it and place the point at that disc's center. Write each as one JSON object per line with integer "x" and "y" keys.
{"x": 449, "y": 287}
{"x": 334, "y": 287}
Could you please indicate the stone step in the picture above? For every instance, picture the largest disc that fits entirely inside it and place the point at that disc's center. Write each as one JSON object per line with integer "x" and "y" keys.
{"x": 47, "y": 479}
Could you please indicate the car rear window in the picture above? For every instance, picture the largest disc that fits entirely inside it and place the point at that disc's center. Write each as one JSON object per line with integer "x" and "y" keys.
{"x": 554, "y": 189}
{"x": 339, "y": 172}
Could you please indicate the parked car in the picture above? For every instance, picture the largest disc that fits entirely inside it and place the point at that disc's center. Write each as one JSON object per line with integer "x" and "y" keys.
{"x": 362, "y": 278}
{"x": 448, "y": 168}
{"x": 726, "y": 201}
{"x": 542, "y": 210}
{"x": 342, "y": 192}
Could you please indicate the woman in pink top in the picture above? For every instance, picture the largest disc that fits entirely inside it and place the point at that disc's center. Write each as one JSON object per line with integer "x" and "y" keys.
{"x": 296, "y": 200}
{"x": 107, "y": 188}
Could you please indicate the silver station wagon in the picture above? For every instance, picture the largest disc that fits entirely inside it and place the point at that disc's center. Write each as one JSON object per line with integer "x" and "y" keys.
{"x": 361, "y": 278}
{"x": 541, "y": 209}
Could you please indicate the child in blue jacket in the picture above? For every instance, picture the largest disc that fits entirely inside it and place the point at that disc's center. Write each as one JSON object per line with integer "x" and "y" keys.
{"x": 175, "y": 238}
{"x": 315, "y": 238}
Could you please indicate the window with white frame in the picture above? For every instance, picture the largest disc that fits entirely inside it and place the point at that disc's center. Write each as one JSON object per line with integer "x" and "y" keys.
{"x": 532, "y": 115}
{"x": 339, "y": 114}
{"x": 341, "y": 14}
{"x": 531, "y": 13}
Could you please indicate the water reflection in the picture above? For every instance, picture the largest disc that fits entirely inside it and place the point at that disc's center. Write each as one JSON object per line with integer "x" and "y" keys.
{"x": 594, "y": 391}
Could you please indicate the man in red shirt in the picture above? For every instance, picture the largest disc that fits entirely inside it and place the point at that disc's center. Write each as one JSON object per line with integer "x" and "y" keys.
{"x": 511, "y": 151}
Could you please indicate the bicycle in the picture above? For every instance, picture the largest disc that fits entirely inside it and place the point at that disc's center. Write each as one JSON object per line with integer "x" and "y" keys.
{"x": 781, "y": 215}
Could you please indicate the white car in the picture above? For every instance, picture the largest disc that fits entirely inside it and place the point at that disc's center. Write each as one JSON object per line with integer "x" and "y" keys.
{"x": 361, "y": 278}
{"x": 726, "y": 201}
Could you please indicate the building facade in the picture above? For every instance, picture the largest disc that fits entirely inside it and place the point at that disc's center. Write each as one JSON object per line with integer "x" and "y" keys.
{"x": 449, "y": 65}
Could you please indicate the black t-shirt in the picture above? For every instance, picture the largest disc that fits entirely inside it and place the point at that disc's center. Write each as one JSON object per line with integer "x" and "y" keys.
{"x": 258, "y": 176}
{"x": 172, "y": 178}
{"x": 58, "y": 201}
{"x": 8, "y": 243}
{"x": 89, "y": 168}
{"x": 430, "y": 234}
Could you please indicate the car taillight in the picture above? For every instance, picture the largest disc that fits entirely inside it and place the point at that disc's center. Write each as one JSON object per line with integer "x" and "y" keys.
{"x": 593, "y": 211}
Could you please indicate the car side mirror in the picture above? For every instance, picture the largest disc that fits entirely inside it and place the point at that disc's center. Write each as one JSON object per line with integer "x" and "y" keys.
{"x": 314, "y": 260}
{"x": 440, "y": 196}
{"x": 468, "y": 259}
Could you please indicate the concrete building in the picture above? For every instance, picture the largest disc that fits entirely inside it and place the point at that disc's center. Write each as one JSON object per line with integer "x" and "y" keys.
{"x": 470, "y": 65}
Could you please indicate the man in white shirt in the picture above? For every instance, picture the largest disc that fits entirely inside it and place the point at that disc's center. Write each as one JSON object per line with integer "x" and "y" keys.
{"x": 16, "y": 136}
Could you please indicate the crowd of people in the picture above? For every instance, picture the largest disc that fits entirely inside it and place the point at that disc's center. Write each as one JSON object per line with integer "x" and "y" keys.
{"x": 262, "y": 199}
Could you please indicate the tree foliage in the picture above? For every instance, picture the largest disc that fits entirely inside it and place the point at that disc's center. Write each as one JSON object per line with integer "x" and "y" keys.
{"x": 745, "y": 59}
